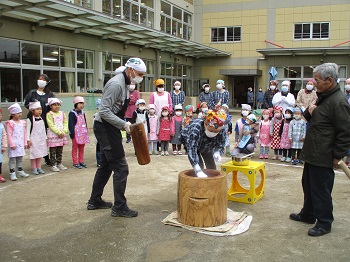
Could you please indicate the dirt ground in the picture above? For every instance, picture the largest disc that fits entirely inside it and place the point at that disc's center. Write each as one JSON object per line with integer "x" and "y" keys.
{"x": 44, "y": 218}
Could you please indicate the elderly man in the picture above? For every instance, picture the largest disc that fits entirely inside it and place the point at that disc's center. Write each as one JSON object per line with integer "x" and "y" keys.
{"x": 205, "y": 138}
{"x": 327, "y": 141}
{"x": 108, "y": 124}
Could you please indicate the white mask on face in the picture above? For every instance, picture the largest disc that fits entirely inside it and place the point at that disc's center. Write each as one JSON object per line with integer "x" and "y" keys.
{"x": 160, "y": 89}
{"x": 288, "y": 115}
{"x": 131, "y": 87}
{"x": 142, "y": 108}
{"x": 177, "y": 87}
{"x": 178, "y": 113}
{"x": 152, "y": 111}
{"x": 265, "y": 117}
{"x": 206, "y": 89}
{"x": 284, "y": 89}
{"x": 309, "y": 87}
{"x": 137, "y": 79}
{"x": 205, "y": 109}
{"x": 272, "y": 87}
{"x": 219, "y": 86}
{"x": 347, "y": 87}
{"x": 245, "y": 112}
{"x": 41, "y": 83}
{"x": 277, "y": 115}
{"x": 165, "y": 113}
{"x": 210, "y": 134}
{"x": 297, "y": 117}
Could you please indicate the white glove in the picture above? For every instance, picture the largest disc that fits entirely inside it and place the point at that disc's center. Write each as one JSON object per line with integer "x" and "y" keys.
{"x": 127, "y": 127}
{"x": 198, "y": 171}
{"x": 217, "y": 157}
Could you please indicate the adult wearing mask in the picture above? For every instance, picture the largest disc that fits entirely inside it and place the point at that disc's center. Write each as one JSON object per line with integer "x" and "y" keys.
{"x": 177, "y": 95}
{"x": 327, "y": 141}
{"x": 270, "y": 93}
{"x": 134, "y": 95}
{"x": 205, "y": 95}
{"x": 220, "y": 96}
{"x": 42, "y": 93}
{"x": 250, "y": 97}
{"x": 259, "y": 99}
{"x": 347, "y": 89}
{"x": 284, "y": 98}
{"x": 204, "y": 139}
{"x": 160, "y": 98}
{"x": 307, "y": 95}
{"x": 108, "y": 124}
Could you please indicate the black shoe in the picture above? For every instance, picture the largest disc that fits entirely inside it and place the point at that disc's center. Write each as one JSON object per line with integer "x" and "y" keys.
{"x": 124, "y": 213}
{"x": 83, "y": 165}
{"x": 297, "y": 217}
{"x": 318, "y": 231}
{"x": 128, "y": 140}
{"x": 101, "y": 204}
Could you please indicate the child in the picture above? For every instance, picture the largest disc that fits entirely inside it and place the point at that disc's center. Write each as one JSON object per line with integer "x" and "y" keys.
{"x": 98, "y": 150}
{"x": 17, "y": 141}
{"x": 152, "y": 135}
{"x": 140, "y": 115}
{"x": 246, "y": 142}
{"x": 36, "y": 137}
{"x": 56, "y": 133}
{"x": 203, "y": 108}
{"x": 3, "y": 145}
{"x": 297, "y": 132}
{"x": 285, "y": 143}
{"x": 275, "y": 127}
{"x": 177, "y": 127}
{"x": 188, "y": 115}
{"x": 264, "y": 135}
{"x": 78, "y": 132}
{"x": 240, "y": 122}
{"x": 164, "y": 130}
{"x": 228, "y": 127}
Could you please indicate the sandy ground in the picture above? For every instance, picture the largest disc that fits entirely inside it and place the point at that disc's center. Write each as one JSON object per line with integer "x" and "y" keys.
{"x": 44, "y": 218}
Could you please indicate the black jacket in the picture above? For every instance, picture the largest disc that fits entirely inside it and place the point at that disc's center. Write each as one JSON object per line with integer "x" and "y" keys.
{"x": 328, "y": 134}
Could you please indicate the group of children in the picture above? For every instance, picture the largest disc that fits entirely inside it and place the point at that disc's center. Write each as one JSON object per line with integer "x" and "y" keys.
{"x": 282, "y": 132}
{"x": 35, "y": 136}
{"x": 165, "y": 128}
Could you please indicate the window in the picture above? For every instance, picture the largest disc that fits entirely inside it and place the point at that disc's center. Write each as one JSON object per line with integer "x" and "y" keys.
{"x": 226, "y": 34}
{"x": 311, "y": 31}
{"x": 9, "y": 51}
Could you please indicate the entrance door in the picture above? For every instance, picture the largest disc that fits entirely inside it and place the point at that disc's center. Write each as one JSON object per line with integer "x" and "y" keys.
{"x": 240, "y": 87}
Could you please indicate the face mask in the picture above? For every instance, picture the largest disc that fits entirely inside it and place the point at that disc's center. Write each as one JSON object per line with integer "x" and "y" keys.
{"x": 131, "y": 87}
{"x": 297, "y": 117}
{"x": 142, "y": 108}
{"x": 278, "y": 115}
{"x": 160, "y": 89}
{"x": 206, "y": 89}
{"x": 41, "y": 83}
{"x": 178, "y": 113}
{"x": 177, "y": 87}
{"x": 152, "y": 111}
{"x": 265, "y": 117}
{"x": 272, "y": 87}
{"x": 288, "y": 115}
{"x": 347, "y": 87}
{"x": 309, "y": 87}
{"x": 219, "y": 86}
{"x": 165, "y": 113}
{"x": 210, "y": 134}
{"x": 245, "y": 113}
{"x": 137, "y": 79}
{"x": 260, "y": 90}
{"x": 284, "y": 89}
{"x": 204, "y": 109}
{"x": 250, "y": 90}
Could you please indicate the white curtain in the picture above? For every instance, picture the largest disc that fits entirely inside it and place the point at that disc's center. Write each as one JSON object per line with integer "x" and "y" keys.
{"x": 69, "y": 62}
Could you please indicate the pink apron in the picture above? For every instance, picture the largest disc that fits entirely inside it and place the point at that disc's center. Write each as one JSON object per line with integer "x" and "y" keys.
{"x": 52, "y": 138}
{"x": 81, "y": 133}
{"x": 18, "y": 139}
{"x": 38, "y": 148}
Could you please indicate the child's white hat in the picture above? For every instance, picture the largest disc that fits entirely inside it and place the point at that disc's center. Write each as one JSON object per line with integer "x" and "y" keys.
{"x": 15, "y": 109}
{"x": 151, "y": 106}
{"x": 140, "y": 101}
{"x": 34, "y": 105}
{"x": 53, "y": 100}
{"x": 246, "y": 107}
{"x": 178, "y": 107}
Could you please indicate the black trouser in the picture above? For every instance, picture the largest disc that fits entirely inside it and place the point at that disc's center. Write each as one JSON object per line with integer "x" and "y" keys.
{"x": 112, "y": 159}
{"x": 286, "y": 153}
{"x": 208, "y": 158}
{"x": 296, "y": 153}
{"x": 317, "y": 186}
{"x": 128, "y": 136}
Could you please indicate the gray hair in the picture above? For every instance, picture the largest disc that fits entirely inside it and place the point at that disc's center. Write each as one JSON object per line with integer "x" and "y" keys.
{"x": 327, "y": 70}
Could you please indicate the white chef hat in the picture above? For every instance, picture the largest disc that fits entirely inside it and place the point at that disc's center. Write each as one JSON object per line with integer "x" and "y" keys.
{"x": 140, "y": 101}
{"x": 246, "y": 107}
{"x": 53, "y": 100}
{"x": 15, "y": 109}
{"x": 34, "y": 105}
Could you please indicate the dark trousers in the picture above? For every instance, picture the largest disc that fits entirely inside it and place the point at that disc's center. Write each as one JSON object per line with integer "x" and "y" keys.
{"x": 208, "y": 159}
{"x": 317, "y": 186}
{"x": 112, "y": 159}
{"x": 296, "y": 153}
{"x": 98, "y": 153}
{"x": 286, "y": 152}
{"x": 56, "y": 155}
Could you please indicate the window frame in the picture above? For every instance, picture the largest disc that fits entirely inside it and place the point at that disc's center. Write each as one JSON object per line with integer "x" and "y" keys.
{"x": 311, "y": 34}
{"x": 226, "y": 38}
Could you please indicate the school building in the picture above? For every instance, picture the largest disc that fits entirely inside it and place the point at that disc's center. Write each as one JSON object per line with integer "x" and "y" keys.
{"x": 80, "y": 43}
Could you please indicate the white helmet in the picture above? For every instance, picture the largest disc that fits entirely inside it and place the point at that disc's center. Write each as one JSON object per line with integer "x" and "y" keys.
{"x": 252, "y": 118}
